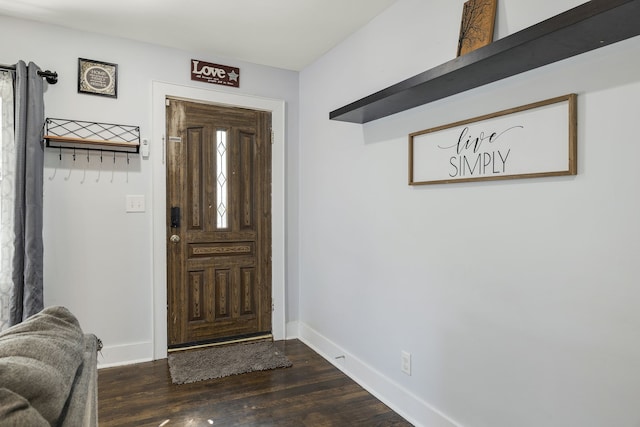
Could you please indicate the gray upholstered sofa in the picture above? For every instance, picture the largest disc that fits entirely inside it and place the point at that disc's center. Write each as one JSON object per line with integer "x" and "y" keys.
{"x": 48, "y": 372}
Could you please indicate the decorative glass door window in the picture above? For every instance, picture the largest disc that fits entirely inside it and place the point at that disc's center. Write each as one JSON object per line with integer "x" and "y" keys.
{"x": 222, "y": 179}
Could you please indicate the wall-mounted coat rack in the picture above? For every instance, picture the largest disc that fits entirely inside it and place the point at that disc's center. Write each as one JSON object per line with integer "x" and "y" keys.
{"x": 64, "y": 133}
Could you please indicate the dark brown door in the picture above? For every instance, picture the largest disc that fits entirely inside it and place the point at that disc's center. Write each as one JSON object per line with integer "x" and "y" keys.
{"x": 218, "y": 222}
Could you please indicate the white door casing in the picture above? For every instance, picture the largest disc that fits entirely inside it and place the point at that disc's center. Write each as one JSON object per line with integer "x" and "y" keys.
{"x": 160, "y": 91}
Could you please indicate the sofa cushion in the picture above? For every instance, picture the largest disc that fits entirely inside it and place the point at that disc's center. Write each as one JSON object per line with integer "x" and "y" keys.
{"x": 39, "y": 359}
{"x": 16, "y": 411}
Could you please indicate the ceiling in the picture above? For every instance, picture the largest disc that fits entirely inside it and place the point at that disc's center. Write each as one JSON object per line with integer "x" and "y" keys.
{"x": 288, "y": 34}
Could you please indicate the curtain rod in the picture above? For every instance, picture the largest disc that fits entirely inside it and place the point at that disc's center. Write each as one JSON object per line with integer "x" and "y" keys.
{"x": 50, "y": 76}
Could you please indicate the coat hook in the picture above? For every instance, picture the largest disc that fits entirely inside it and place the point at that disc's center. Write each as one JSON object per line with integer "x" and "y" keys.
{"x": 87, "y": 156}
{"x": 74, "y": 154}
{"x": 127, "y": 158}
{"x": 114, "y": 157}
{"x": 100, "y": 156}
{"x": 60, "y": 155}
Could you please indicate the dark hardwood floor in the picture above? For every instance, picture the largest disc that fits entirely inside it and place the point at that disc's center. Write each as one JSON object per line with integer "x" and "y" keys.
{"x": 310, "y": 393}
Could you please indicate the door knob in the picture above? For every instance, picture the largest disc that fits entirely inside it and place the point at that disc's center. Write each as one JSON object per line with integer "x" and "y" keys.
{"x": 174, "y": 238}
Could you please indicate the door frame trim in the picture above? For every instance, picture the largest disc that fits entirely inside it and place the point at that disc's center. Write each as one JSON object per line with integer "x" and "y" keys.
{"x": 160, "y": 90}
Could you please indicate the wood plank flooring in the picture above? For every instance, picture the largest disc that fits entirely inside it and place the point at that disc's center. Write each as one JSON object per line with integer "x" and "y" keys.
{"x": 312, "y": 393}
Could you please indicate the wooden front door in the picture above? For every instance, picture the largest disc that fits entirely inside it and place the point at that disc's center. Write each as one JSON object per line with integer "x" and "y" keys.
{"x": 218, "y": 223}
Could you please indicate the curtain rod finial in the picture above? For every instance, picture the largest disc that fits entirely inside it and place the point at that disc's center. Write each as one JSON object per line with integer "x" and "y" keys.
{"x": 50, "y": 76}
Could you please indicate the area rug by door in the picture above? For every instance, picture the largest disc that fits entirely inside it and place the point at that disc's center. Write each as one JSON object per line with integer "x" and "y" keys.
{"x": 189, "y": 366}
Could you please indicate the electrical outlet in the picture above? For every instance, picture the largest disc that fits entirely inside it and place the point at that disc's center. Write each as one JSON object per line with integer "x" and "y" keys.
{"x": 405, "y": 364}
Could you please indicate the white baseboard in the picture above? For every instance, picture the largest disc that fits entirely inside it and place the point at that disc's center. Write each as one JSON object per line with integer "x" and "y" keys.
{"x": 127, "y": 354}
{"x": 292, "y": 330}
{"x": 409, "y": 406}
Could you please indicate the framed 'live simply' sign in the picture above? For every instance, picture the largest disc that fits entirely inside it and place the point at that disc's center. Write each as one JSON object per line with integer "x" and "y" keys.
{"x": 534, "y": 140}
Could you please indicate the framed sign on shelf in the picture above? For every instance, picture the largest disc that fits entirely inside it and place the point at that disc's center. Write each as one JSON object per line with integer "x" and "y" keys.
{"x": 476, "y": 27}
{"x": 533, "y": 140}
{"x": 97, "y": 78}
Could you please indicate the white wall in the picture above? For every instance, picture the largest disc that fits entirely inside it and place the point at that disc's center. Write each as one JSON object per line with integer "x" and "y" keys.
{"x": 517, "y": 299}
{"x": 98, "y": 259}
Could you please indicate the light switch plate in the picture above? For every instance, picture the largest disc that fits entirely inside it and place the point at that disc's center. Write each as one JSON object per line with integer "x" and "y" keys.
{"x": 135, "y": 203}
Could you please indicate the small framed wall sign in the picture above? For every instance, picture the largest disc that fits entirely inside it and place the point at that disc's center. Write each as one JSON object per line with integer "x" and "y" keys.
{"x": 97, "y": 78}
{"x": 218, "y": 74}
{"x": 534, "y": 140}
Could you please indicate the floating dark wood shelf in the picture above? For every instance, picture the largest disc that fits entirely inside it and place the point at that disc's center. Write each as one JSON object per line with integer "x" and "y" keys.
{"x": 589, "y": 26}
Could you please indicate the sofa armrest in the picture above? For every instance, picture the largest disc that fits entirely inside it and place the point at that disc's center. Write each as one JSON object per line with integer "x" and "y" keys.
{"x": 82, "y": 406}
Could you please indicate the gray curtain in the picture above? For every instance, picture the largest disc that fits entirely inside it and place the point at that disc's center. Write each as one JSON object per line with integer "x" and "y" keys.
{"x": 26, "y": 298}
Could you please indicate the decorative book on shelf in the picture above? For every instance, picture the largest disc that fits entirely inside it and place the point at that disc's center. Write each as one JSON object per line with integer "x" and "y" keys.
{"x": 64, "y": 133}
